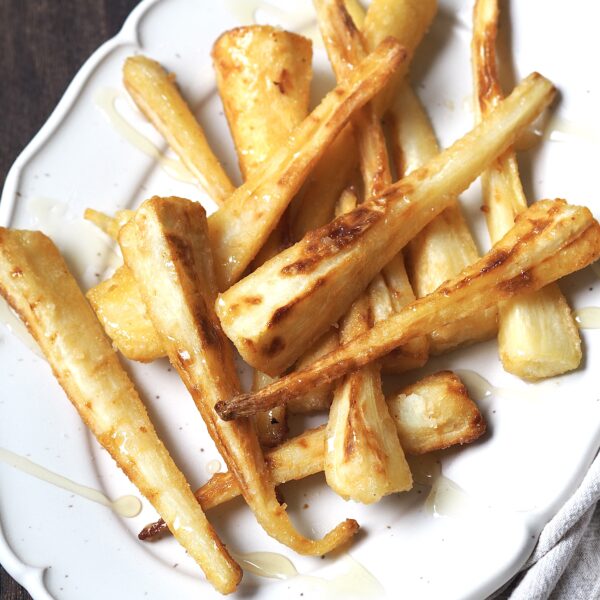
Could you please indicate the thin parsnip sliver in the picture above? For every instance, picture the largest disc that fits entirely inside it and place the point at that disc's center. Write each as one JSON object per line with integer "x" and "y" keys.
{"x": 35, "y": 281}
{"x": 537, "y": 334}
{"x": 156, "y": 94}
{"x": 239, "y": 229}
{"x": 551, "y": 239}
{"x": 432, "y": 414}
{"x": 166, "y": 247}
{"x": 275, "y": 313}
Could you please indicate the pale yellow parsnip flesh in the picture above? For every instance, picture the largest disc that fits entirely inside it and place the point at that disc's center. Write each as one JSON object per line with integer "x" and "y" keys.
{"x": 445, "y": 246}
{"x": 551, "y": 239}
{"x": 263, "y": 78}
{"x": 157, "y": 96}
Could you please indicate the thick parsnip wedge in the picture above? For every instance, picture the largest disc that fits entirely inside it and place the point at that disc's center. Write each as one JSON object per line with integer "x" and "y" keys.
{"x": 166, "y": 247}
{"x": 275, "y": 313}
{"x": 240, "y": 228}
{"x": 445, "y": 246}
{"x": 263, "y": 77}
{"x": 549, "y": 240}
{"x": 363, "y": 457}
{"x": 35, "y": 281}
{"x": 405, "y": 20}
{"x": 435, "y": 413}
{"x": 122, "y": 312}
{"x": 438, "y": 415}
{"x": 538, "y": 336}
{"x": 156, "y": 95}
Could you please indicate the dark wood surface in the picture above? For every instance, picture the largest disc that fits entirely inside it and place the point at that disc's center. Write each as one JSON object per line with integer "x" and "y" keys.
{"x": 42, "y": 44}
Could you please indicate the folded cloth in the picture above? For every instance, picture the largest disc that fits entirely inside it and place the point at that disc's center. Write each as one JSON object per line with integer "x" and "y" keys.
{"x": 565, "y": 564}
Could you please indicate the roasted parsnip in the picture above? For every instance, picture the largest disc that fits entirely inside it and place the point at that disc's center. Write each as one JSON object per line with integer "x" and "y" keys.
{"x": 537, "y": 336}
{"x": 166, "y": 247}
{"x": 239, "y": 229}
{"x": 432, "y": 414}
{"x": 363, "y": 457}
{"x": 560, "y": 239}
{"x": 273, "y": 314}
{"x": 445, "y": 246}
{"x": 119, "y": 307}
{"x": 263, "y": 77}
{"x": 314, "y": 205}
{"x": 156, "y": 94}
{"x": 35, "y": 281}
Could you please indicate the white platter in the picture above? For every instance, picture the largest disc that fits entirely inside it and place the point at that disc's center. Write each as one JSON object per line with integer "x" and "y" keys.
{"x": 541, "y": 438}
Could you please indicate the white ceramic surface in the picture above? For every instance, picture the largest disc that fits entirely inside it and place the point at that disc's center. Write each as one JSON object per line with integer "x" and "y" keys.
{"x": 541, "y": 438}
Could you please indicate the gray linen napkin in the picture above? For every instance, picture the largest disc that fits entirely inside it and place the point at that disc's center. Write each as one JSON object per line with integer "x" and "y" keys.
{"x": 565, "y": 564}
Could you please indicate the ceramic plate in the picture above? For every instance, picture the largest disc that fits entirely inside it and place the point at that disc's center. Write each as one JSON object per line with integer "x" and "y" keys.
{"x": 505, "y": 487}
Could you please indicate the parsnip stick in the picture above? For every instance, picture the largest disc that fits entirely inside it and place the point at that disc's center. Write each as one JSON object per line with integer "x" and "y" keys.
{"x": 155, "y": 93}
{"x": 239, "y": 228}
{"x": 405, "y": 20}
{"x": 363, "y": 457}
{"x": 445, "y": 246}
{"x": 263, "y": 76}
{"x": 432, "y": 414}
{"x": 538, "y": 336}
{"x": 274, "y": 314}
{"x": 388, "y": 299}
{"x": 549, "y": 240}
{"x": 166, "y": 248}
{"x": 435, "y": 413}
{"x": 35, "y": 281}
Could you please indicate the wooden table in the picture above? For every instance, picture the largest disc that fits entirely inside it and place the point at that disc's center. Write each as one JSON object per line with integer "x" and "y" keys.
{"x": 43, "y": 43}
